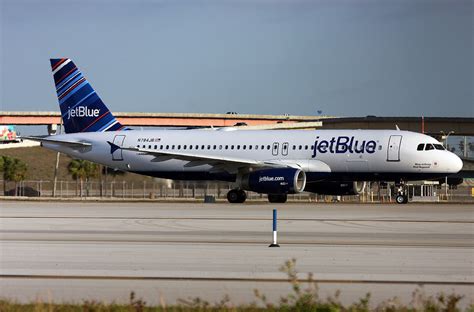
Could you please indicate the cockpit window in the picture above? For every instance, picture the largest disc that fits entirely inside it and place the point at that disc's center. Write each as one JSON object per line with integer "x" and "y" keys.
{"x": 439, "y": 147}
{"x": 429, "y": 147}
{"x": 420, "y": 147}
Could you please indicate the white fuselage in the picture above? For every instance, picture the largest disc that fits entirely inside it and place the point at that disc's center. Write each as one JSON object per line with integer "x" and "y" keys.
{"x": 337, "y": 155}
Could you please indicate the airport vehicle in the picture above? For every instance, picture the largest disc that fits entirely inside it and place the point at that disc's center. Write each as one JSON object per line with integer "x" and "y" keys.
{"x": 273, "y": 162}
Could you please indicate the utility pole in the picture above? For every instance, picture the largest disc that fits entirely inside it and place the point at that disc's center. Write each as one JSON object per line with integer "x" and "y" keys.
{"x": 56, "y": 167}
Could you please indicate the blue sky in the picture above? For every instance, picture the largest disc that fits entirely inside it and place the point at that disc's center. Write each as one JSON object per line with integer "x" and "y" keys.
{"x": 344, "y": 57}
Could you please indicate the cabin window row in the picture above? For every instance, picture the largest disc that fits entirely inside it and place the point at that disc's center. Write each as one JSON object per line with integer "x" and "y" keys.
{"x": 205, "y": 147}
{"x": 220, "y": 147}
{"x": 429, "y": 147}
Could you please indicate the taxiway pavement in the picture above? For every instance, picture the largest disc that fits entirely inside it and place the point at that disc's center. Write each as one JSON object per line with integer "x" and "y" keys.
{"x": 165, "y": 251}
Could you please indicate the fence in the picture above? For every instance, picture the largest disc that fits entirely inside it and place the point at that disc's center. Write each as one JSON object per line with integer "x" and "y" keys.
{"x": 160, "y": 189}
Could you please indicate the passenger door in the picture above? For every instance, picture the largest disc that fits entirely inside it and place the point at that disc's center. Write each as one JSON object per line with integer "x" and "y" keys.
{"x": 117, "y": 154}
{"x": 393, "y": 150}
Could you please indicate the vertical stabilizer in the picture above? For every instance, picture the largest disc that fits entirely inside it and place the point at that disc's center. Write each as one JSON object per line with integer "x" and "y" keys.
{"x": 81, "y": 108}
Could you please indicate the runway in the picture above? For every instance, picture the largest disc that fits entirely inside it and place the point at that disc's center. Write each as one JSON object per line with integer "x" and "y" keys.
{"x": 166, "y": 251}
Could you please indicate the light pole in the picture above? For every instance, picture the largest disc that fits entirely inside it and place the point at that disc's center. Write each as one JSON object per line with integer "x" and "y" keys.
{"x": 445, "y": 137}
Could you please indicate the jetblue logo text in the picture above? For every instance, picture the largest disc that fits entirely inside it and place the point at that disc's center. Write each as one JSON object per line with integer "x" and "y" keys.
{"x": 82, "y": 111}
{"x": 270, "y": 179}
{"x": 343, "y": 144}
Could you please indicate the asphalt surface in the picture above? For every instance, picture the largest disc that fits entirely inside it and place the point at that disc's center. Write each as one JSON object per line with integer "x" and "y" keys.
{"x": 69, "y": 251}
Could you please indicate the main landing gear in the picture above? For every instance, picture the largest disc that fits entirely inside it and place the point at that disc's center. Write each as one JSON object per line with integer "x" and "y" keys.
{"x": 402, "y": 197}
{"x": 236, "y": 196}
{"x": 277, "y": 198}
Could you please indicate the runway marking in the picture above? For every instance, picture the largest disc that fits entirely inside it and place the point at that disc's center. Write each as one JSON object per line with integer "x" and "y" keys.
{"x": 282, "y": 242}
{"x": 232, "y": 279}
{"x": 244, "y": 219}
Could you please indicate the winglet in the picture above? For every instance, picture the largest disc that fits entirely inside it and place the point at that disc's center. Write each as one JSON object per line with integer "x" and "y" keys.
{"x": 113, "y": 147}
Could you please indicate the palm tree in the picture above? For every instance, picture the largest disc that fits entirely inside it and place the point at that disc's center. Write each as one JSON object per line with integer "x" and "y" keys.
{"x": 82, "y": 170}
{"x": 14, "y": 170}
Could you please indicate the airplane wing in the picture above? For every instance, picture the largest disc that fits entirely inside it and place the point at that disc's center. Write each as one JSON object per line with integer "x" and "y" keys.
{"x": 219, "y": 163}
{"x": 60, "y": 142}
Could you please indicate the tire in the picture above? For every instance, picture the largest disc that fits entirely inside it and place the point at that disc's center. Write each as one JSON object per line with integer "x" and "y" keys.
{"x": 406, "y": 199}
{"x": 233, "y": 196}
{"x": 277, "y": 198}
{"x": 242, "y": 196}
{"x": 401, "y": 199}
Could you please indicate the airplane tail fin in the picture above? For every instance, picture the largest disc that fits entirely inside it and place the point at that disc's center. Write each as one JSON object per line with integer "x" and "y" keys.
{"x": 81, "y": 108}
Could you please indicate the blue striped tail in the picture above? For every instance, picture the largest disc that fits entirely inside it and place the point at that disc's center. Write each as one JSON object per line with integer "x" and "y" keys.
{"x": 82, "y": 110}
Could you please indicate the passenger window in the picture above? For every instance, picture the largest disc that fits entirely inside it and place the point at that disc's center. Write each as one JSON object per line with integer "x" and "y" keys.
{"x": 203, "y": 147}
{"x": 179, "y": 146}
{"x": 143, "y": 146}
{"x": 250, "y": 147}
{"x": 294, "y": 147}
{"x": 161, "y": 146}
{"x": 429, "y": 147}
{"x": 227, "y": 147}
{"x": 268, "y": 147}
{"x": 197, "y": 147}
{"x": 208, "y": 147}
{"x": 238, "y": 147}
{"x": 172, "y": 147}
{"x": 420, "y": 147}
{"x": 300, "y": 147}
{"x": 184, "y": 146}
{"x": 232, "y": 147}
{"x": 306, "y": 147}
{"x": 167, "y": 146}
{"x": 263, "y": 146}
{"x": 256, "y": 147}
{"x": 244, "y": 147}
{"x": 214, "y": 147}
{"x": 312, "y": 147}
{"x": 220, "y": 147}
{"x": 190, "y": 147}
{"x": 138, "y": 146}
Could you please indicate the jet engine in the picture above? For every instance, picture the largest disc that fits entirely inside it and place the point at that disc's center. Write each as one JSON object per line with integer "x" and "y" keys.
{"x": 274, "y": 181}
{"x": 336, "y": 188}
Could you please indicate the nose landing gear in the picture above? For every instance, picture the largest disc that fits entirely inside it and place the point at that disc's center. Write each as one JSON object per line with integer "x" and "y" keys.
{"x": 402, "y": 197}
{"x": 236, "y": 196}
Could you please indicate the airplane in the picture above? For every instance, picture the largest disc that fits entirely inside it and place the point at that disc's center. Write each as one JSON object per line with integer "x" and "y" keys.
{"x": 272, "y": 162}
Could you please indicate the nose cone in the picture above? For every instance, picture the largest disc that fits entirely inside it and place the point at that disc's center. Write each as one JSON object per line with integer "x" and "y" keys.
{"x": 455, "y": 163}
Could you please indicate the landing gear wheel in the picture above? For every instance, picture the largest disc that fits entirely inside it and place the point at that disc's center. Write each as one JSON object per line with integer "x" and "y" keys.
{"x": 242, "y": 196}
{"x": 401, "y": 199}
{"x": 236, "y": 196}
{"x": 277, "y": 198}
{"x": 406, "y": 199}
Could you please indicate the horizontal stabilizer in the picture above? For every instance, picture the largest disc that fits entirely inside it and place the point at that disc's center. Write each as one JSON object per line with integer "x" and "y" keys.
{"x": 48, "y": 139}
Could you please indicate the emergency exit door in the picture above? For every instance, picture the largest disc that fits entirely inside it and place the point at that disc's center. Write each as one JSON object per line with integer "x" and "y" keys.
{"x": 393, "y": 150}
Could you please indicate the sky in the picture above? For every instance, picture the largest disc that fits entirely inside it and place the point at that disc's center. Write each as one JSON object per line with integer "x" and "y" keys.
{"x": 297, "y": 57}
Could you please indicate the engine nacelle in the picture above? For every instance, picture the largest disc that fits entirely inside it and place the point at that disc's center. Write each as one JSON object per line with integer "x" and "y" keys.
{"x": 336, "y": 188}
{"x": 274, "y": 181}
